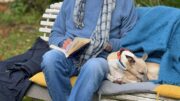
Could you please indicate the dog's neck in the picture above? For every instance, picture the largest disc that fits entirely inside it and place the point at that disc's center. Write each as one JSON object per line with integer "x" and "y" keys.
{"x": 121, "y": 65}
{"x": 122, "y": 62}
{"x": 122, "y": 58}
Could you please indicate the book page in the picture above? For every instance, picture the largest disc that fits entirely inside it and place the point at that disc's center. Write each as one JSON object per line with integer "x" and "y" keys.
{"x": 73, "y": 47}
{"x": 59, "y": 49}
{"x": 77, "y": 44}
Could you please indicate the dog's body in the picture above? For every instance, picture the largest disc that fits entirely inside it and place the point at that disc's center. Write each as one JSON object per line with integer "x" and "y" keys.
{"x": 127, "y": 68}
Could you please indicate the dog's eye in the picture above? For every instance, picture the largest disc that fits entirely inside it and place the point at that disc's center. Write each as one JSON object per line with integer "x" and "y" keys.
{"x": 142, "y": 73}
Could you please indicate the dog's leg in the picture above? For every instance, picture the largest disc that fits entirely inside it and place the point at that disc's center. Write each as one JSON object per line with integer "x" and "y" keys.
{"x": 110, "y": 77}
{"x": 126, "y": 80}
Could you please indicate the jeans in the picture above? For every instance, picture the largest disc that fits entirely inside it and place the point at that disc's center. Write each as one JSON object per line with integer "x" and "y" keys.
{"x": 58, "y": 69}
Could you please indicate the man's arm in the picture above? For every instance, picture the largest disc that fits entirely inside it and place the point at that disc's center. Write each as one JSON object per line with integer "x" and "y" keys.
{"x": 128, "y": 21}
{"x": 57, "y": 35}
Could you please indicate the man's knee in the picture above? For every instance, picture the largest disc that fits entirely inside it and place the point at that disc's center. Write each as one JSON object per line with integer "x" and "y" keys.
{"x": 96, "y": 65}
{"x": 51, "y": 57}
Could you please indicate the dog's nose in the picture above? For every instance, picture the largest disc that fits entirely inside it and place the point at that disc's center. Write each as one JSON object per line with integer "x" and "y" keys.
{"x": 145, "y": 78}
{"x": 142, "y": 73}
{"x": 142, "y": 77}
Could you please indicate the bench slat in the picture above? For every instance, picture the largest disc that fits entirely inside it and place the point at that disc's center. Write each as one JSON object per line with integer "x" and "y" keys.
{"x": 46, "y": 23}
{"x": 56, "y": 5}
{"x": 45, "y": 30}
{"x": 49, "y": 16}
{"x": 138, "y": 97}
{"x": 129, "y": 97}
{"x": 52, "y": 11}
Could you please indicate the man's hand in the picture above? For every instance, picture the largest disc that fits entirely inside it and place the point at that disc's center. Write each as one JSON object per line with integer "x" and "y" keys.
{"x": 66, "y": 43}
{"x": 108, "y": 47}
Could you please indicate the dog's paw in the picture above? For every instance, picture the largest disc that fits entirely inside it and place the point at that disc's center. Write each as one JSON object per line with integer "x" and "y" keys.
{"x": 119, "y": 81}
{"x": 110, "y": 77}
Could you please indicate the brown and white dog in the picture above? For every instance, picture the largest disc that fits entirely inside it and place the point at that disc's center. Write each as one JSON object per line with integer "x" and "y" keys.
{"x": 125, "y": 67}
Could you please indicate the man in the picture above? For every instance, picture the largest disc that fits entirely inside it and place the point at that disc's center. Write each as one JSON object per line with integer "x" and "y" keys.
{"x": 104, "y": 22}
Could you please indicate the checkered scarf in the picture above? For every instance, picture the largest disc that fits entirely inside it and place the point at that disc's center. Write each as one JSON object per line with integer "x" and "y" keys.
{"x": 100, "y": 36}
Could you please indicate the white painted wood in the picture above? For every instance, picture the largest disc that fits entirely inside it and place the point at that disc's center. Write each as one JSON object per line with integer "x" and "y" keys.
{"x": 48, "y": 19}
{"x": 56, "y": 5}
{"x": 6, "y": 1}
{"x": 133, "y": 97}
{"x": 138, "y": 97}
{"x": 47, "y": 23}
{"x": 52, "y": 11}
{"x": 108, "y": 100}
{"x": 49, "y": 16}
{"x": 38, "y": 92}
{"x": 45, "y": 30}
{"x": 45, "y": 38}
{"x": 153, "y": 96}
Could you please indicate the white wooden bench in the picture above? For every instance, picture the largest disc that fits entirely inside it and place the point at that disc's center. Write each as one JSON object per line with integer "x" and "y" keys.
{"x": 38, "y": 92}
{"x": 6, "y": 1}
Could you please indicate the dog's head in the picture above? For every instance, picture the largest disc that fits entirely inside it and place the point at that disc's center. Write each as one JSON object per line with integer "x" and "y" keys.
{"x": 135, "y": 65}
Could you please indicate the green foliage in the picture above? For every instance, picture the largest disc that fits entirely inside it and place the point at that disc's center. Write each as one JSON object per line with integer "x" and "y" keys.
{"x": 24, "y": 6}
{"x": 174, "y": 3}
{"x": 16, "y": 19}
{"x": 18, "y": 7}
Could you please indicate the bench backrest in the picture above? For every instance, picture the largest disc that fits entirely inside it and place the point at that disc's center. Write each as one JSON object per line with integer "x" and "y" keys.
{"x": 6, "y": 1}
{"x": 48, "y": 19}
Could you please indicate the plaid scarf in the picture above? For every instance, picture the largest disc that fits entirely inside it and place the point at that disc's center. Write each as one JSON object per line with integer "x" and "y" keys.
{"x": 100, "y": 36}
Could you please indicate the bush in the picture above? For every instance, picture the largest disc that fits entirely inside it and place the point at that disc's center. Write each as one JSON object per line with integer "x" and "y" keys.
{"x": 24, "y": 6}
{"x": 174, "y": 3}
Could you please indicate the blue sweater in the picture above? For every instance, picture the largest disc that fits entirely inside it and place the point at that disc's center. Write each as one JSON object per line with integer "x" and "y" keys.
{"x": 123, "y": 19}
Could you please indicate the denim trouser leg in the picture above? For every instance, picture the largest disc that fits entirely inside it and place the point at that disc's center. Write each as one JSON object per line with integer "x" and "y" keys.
{"x": 90, "y": 78}
{"x": 57, "y": 69}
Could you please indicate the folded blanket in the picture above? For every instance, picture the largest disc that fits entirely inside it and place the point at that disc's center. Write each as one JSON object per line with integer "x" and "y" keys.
{"x": 109, "y": 88}
{"x": 157, "y": 32}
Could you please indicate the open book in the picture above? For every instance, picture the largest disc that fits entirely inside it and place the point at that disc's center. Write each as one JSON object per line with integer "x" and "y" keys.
{"x": 76, "y": 44}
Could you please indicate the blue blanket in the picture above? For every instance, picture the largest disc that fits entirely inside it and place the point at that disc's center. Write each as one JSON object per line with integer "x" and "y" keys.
{"x": 157, "y": 33}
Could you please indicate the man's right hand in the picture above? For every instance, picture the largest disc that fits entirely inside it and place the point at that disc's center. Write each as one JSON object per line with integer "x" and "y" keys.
{"x": 66, "y": 43}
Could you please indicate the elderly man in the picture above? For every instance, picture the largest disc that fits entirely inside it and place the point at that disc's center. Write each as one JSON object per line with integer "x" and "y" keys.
{"x": 105, "y": 22}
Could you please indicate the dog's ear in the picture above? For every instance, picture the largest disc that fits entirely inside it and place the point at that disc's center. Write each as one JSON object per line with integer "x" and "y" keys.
{"x": 145, "y": 56}
{"x": 130, "y": 59}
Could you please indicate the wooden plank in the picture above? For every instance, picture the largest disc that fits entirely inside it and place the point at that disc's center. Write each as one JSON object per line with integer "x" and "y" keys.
{"x": 45, "y": 30}
{"x": 56, "y": 5}
{"x": 130, "y": 98}
{"x": 49, "y": 16}
{"x": 153, "y": 96}
{"x": 46, "y": 23}
{"x": 6, "y": 1}
{"x": 108, "y": 100}
{"x": 52, "y": 11}
{"x": 38, "y": 92}
{"x": 45, "y": 38}
{"x": 138, "y": 97}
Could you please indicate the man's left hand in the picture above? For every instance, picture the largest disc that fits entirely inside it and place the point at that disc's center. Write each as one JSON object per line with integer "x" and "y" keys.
{"x": 108, "y": 47}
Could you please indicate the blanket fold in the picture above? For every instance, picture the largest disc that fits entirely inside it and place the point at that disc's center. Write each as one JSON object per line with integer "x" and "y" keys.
{"x": 157, "y": 32}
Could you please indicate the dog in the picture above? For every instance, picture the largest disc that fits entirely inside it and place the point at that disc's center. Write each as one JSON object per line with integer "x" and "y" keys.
{"x": 125, "y": 67}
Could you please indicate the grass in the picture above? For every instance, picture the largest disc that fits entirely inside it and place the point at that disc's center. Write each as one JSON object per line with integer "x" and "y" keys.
{"x": 17, "y": 41}
{"x": 17, "y": 33}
